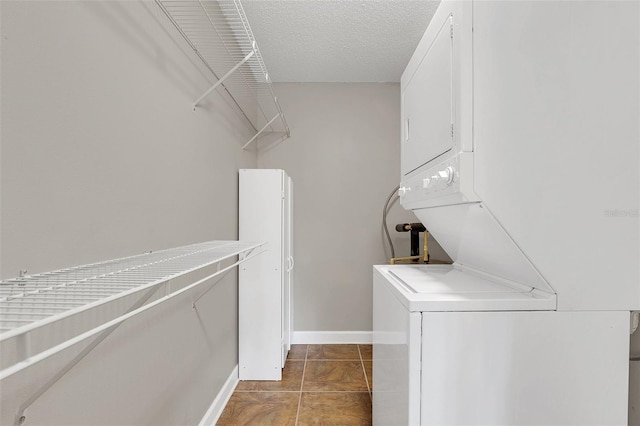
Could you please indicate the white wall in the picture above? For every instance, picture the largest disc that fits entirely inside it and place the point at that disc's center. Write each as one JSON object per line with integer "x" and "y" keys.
{"x": 344, "y": 159}
{"x": 103, "y": 157}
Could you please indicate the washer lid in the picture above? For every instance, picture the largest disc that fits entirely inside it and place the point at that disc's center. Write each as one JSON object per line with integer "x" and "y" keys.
{"x": 435, "y": 288}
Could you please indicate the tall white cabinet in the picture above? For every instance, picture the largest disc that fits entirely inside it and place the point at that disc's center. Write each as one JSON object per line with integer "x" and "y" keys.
{"x": 265, "y": 294}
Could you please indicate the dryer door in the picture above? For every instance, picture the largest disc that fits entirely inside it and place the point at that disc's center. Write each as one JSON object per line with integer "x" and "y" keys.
{"x": 427, "y": 104}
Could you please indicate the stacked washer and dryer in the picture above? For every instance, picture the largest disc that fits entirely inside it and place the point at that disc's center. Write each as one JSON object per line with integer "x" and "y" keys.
{"x": 520, "y": 154}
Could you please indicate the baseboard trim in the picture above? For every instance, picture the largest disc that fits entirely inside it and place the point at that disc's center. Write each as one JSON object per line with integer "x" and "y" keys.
{"x": 217, "y": 406}
{"x": 320, "y": 337}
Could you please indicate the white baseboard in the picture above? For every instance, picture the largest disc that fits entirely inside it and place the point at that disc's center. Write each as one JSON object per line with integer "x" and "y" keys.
{"x": 319, "y": 337}
{"x": 217, "y": 406}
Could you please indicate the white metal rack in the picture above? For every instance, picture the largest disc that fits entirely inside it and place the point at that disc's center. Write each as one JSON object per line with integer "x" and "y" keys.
{"x": 30, "y": 304}
{"x": 220, "y": 35}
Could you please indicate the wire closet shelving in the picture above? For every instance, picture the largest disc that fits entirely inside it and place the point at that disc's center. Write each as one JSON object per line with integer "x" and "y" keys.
{"x": 219, "y": 33}
{"x": 43, "y": 314}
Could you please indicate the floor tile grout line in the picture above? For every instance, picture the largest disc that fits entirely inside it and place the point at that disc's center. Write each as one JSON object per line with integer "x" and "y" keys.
{"x": 364, "y": 371}
{"x": 331, "y": 391}
{"x": 337, "y": 359}
{"x": 306, "y": 354}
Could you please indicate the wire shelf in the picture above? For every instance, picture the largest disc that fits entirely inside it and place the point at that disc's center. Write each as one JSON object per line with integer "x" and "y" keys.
{"x": 29, "y": 302}
{"x": 47, "y": 314}
{"x": 219, "y": 33}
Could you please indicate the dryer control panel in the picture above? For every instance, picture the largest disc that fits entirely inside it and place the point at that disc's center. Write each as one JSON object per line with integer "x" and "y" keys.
{"x": 445, "y": 183}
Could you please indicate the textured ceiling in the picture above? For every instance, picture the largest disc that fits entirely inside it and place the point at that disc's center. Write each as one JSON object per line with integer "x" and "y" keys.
{"x": 338, "y": 40}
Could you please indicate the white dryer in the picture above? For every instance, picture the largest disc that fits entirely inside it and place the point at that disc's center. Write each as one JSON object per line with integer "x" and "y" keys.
{"x": 520, "y": 155}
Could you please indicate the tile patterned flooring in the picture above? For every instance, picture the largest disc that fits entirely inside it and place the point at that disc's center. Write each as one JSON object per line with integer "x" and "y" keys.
{"x": 321, "y": 385}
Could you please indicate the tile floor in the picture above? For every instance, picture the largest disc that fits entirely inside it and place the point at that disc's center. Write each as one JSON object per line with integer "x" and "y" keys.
{"x": 321, "y": 385}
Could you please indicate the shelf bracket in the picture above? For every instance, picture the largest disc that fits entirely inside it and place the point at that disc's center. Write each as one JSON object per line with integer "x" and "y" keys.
{"x": 261, "y": 130}
{"x": 224, "y": 77}
{"x": 21, "y": 416}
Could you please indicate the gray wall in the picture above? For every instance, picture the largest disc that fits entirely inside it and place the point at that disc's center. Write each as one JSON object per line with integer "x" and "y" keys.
{"x": 635, "y": 343}
{"x": 344, "y": 159}
{"x": 103, "y": 157}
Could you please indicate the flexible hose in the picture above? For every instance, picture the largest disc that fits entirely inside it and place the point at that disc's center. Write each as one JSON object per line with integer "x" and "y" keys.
{"x": 385, "y": 210}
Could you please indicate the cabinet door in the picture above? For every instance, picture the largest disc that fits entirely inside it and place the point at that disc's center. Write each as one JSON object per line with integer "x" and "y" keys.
{"x": 260, "y": 278}
{"x": 287, "y": 235}
{"x": 427, "y": 102}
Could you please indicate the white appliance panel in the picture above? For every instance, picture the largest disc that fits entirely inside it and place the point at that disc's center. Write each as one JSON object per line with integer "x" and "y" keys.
{"x": 441, "y": 183}
{"x": 448, "y": 288}
{"x": 428, "y": 104}
{"x": 514, "y": 366}
{"x": 473, "y": 238}
{"x": 434, "y": 279}
{"x": 537, "y": 203}
{"x": 555, "y": 153}
{"x": 556, "y": 141}
{"x": 396, "y": 359}
{"x": 524, "y": 368}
